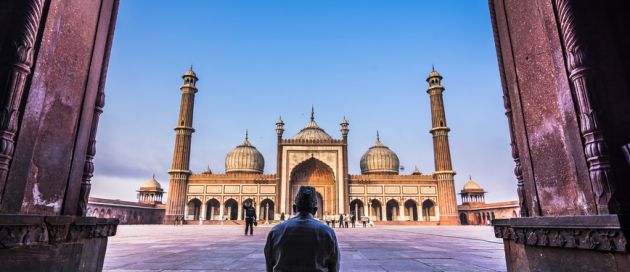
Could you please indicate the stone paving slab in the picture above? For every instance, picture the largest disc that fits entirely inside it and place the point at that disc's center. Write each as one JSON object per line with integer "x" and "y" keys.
{"x": 382, "y": 248}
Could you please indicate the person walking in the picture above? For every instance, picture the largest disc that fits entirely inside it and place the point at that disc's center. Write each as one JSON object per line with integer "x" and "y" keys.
{"x": 345, "y": 221}
{"x": 364, "y": 221}
{"x": 302, "y": 243}
{"x": 340, "y": 220}
{"x": 353, "y": 218}
{"x": 333, "y": 220}
{"x": 250, "y": 217}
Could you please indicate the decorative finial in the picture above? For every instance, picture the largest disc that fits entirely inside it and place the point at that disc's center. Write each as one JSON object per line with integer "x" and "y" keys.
{"x": 312, "y": 113}
{"x": 378, "y": 137}
{"x": 191, "y": 66}
{"x": 432, "y": 67}
{"x": 246, "y": 134}
{"x": 469, "y": 177}
{"x": 154, "y": 176}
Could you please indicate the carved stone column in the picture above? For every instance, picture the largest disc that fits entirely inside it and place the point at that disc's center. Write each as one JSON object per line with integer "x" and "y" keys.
{"x": 16, "y": 60}
{"x": 564, "y": 68}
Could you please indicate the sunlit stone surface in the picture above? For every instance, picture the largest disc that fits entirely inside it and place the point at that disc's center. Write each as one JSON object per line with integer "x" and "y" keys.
{"x": 383, "y": 248}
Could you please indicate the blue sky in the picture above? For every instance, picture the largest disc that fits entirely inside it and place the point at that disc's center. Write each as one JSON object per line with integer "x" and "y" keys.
{"x": 256, "y": 60}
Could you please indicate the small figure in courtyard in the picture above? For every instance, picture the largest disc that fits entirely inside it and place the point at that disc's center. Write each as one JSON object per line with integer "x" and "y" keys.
{"x": 176, "y": 221}
{"x": 364, "y": 221}
{"x": 353, "y": 219}
{"x": 345, "y": 221}
{"x": 327, "y": 219}
{"x": 250, "y": 217}
{"x": 282, "y": 217}
{"x": 302, "y": 243}
{"x": 333, "y": 220}
{"x": 340, "y": 220}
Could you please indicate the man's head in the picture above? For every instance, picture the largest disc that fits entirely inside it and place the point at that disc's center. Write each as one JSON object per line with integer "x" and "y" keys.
{"x": 247, "y": 204}
{"x": 306, "y": 200}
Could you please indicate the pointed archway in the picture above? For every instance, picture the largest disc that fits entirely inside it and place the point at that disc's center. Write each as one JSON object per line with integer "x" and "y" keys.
{"x": 315, "y": 173}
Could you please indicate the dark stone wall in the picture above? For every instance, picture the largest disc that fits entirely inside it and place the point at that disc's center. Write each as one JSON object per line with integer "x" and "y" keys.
{"x": 53, "y": 62}
{"x": 565, "y": 69}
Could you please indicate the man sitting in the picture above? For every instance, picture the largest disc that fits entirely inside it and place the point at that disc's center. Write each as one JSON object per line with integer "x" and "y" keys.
{"x": 302, "y": 243}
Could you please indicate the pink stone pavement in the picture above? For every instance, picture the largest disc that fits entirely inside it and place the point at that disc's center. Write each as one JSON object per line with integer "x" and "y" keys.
{"x": 383, "y": 248}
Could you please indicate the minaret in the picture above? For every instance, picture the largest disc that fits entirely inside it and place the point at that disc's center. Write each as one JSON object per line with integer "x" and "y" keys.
{"x": 447, "y": 201}
{"x": 180, "y": 172}
{"x": 344, "y": 133}
{"x": 279, "y": 132}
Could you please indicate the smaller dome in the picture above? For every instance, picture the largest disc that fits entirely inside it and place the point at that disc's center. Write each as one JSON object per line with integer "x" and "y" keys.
{"x": 190, "y": 72}
{"x": 245, "y": 158}
{"x": 152, "y": 183}
{"x": 471, "y": 185}
{"x": 416, "y": 171}
{"x": 344, "y": 121}
{"x": 207, "y": 170}
{"x": 433, "y": 74}
{"x": 379, "y": 159}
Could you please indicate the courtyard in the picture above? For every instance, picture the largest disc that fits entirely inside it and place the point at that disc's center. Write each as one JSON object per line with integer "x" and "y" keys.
{"x": 382, "y": 248}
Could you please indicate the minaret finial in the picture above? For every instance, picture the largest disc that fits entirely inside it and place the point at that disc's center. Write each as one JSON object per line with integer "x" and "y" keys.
{"x": 153, "y": 175}
{"x": 432, "y": 67}
{"x": 469, "y": 177}
{"x": 312, "y": 113}
{"x": 191, "y": 66}
{"x": 378, "y": 137}
{"x": 246, "y": 134}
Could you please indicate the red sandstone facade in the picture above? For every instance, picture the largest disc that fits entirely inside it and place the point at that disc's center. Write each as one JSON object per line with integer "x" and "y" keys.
{"x": 127, "y": 212}
{"x": 312, "y": 157}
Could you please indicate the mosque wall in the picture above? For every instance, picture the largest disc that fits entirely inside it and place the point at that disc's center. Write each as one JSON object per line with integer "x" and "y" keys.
{"x": 126, "y": 212}
{"x": 484, "y": 213}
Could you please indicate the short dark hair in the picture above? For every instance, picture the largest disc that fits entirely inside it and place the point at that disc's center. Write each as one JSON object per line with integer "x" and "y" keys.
{"x": 306, "y": 199}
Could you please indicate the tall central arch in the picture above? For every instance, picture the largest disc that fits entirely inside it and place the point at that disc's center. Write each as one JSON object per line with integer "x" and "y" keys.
{"x": 313, "y": 172}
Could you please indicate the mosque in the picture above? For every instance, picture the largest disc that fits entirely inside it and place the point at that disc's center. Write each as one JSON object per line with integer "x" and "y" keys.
{"x": 312, "y": 157}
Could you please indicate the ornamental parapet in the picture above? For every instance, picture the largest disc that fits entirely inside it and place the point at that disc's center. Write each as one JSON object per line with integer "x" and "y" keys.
{"x": 596, "y": 232}
{"x": 312, "y": 141}
{"x": 235, "y": 176}
{"x": 386, "y": 177}
{"x": 35, "y": 230}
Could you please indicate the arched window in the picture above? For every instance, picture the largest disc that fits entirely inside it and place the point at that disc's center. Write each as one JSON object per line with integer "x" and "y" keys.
{"x": 194, "y": 209}
{"x": 411, "y": 210}
{"x": 428, "y": 209}
{"x": 392, "y": 210}
{"x": 356, "y": 208}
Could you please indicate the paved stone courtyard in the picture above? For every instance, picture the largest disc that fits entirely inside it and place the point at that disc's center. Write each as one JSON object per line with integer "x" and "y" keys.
{"x": 383, "y": 248}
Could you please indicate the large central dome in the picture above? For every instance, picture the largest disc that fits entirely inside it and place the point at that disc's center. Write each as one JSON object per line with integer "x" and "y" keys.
{"x": 379, "y": 159}
{"x": 245, "y": 158}
{"x": 312, "y": 131}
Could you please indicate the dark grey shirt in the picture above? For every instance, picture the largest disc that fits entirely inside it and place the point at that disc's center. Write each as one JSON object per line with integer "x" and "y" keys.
{"x": 302, "y": 243}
